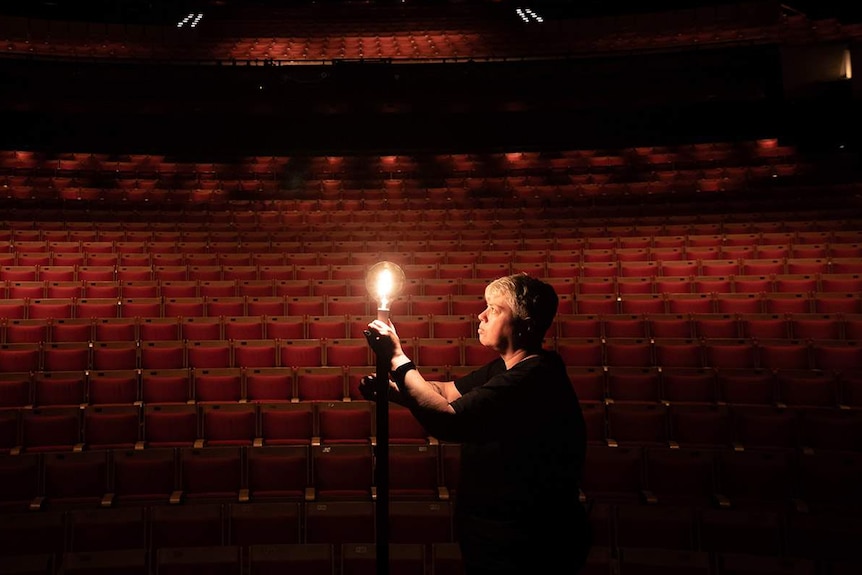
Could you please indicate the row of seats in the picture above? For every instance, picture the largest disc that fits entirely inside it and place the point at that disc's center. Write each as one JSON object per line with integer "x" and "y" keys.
{"x": 320, "y": 558}
{"x": 125, "y": 286}
{"x": 251, "y": 538}
{"x": 800, "y": 275}
{"x": 449, "y": 190}
{"x": 102, "y": 301}
{"x": 623, "y": 527}
{"x": 585, "y": 226}
{"x": 101, "y": 322}
{"x": 770, "y": 354}
{"x": 534, "y": 198}
{"x": 203, "y": 352}
{"x": 766, "y": 530}
{"x": 433, "y": 265}
{"x": 764, "y": 476}
{"x": 707, "y": 326}
{"x": 685, "y": 325}
{"x": 254, "y": 327}
{"x": 330, "y": 174}
{"x": 82, "y": 356}
{"x": 712, "y": 301}
{"x": 617, "y": 526}
{"x": 206, "y": 423}
{"x": 729, "y": 385}
{"x": 755, "y": 479}
{"x": 336, "y": 171}
{"x": 742, "y": 426}
{"x": 213, "y": 204}
{"x": 347, "y": 170}
{"x": 592, "y": 226}
{"x": 186, "y": 385}
{"x": 336, "y": 188}
{"x": 264, "y": 220}
{"x": 452, "y": 179}
{"x": 711, "y": 157}
{"x": 705, "y": 386}
{"x": 267, "y": 230}
{"x": 219, "y": 194}
{"x": 480, "y": 247}
{"x": 463, "y": 250}
{"x": 426, "y": 265}
{"x": 97, "y": 300}
{"x": 221, "y": 421}
{"x": 405, "y": 559}
{"x": 464, "y": 229}
{"x": 151, "y": 526}
{"x": 424, "y": 279}
{"x": 21, "y": 165}
{"x": 718, "y": 353}
{"x": 765, "y": 479}
{"x": 105, "y": 477}
{"x": 677, "y": 315}
{"x": 310, "y": 205}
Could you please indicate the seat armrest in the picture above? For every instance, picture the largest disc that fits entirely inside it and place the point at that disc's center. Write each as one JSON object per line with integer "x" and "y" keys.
{"x": 107, "y": 500}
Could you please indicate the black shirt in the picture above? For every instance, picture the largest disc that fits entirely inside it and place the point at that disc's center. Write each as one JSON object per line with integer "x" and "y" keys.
{"x": 522, "y": 436}
{"x": 523, "y": 444}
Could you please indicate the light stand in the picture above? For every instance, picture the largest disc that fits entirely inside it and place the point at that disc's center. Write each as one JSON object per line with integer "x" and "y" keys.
{"x": 384, "y": 282}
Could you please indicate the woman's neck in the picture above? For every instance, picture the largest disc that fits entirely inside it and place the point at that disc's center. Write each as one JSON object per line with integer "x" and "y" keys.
{"x": 517, "y": 357}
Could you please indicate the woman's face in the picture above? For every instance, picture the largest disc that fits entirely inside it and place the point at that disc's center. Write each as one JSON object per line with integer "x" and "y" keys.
{"x": 496, "y": 323}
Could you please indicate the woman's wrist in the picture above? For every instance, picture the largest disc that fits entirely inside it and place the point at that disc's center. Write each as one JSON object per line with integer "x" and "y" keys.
{"x": 399, "y": 373}
{"x": 398, "y": 361}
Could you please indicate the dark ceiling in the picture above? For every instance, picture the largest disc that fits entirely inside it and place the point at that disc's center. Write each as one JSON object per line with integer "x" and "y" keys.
{"x": 154, "y": 11}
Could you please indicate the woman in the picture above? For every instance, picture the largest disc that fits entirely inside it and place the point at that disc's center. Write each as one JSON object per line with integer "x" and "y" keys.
{"x": 521, "y": 431}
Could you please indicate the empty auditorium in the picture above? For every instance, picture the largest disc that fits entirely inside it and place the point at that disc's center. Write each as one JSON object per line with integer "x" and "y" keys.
{"x": 192, "y": 194}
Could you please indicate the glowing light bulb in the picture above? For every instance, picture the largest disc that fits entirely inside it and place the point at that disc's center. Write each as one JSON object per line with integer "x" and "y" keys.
{"x": 384, "y": 283}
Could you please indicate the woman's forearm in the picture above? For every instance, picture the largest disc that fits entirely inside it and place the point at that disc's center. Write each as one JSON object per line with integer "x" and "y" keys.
{"x": 426, "y": 395}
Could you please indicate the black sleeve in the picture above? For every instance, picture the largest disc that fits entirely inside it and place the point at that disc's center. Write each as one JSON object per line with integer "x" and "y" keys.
{"x": 479, "y": 377}
{"x": 448, "y": 426}
{"x": 485, "y": 408}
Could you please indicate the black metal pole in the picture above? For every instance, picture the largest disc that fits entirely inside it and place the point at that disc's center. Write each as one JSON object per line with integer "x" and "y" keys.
{"x": 381, "y": 466}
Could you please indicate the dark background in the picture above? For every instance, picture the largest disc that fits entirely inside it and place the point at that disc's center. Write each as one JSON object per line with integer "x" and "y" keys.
{"x": 691, "y": 93}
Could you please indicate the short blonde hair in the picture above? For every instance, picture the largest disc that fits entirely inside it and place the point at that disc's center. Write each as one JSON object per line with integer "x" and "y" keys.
{"x": 533, "y": 303}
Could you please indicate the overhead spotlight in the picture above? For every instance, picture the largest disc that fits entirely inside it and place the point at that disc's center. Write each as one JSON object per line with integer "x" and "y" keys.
{"x": 528, "y": 15}
{"x": 191, "y": 20}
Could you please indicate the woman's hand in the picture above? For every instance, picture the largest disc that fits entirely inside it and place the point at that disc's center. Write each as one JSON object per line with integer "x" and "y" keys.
{"x": 368, "y": 389}
{"x": 383, "y": 338}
